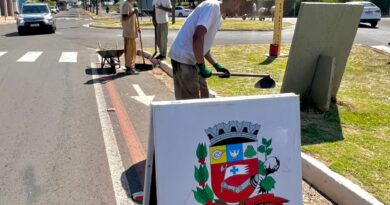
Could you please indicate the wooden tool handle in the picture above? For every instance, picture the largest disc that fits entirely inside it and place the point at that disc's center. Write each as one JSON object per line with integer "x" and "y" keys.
{"x": 243, "y": 74}
{"x": 140, "y": 39}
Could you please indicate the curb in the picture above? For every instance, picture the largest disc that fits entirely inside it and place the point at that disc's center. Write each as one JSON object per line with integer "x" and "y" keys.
{"x": 381, "y": 49}
{"x": 175, "y": 29}
{"x": 375, "y": 48}
{"x": 334, "y": 186}
{"x": 338, "y": 188}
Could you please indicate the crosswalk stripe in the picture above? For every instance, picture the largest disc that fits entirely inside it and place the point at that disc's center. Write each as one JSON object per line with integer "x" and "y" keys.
{"x": 30, "y": 56}
{"x": 382, "y": 48}
{"x": 2, "y": 53}
{"x": 68, "y": 57}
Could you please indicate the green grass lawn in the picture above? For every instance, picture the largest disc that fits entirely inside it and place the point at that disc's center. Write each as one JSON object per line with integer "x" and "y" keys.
{"x": 226, "y": 25}
{"x": 353, "y": 138}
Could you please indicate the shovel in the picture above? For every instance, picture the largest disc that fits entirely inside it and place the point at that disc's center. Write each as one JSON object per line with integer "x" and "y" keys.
{"x": 143, "y": 66}
{"x": 265, "y": 82}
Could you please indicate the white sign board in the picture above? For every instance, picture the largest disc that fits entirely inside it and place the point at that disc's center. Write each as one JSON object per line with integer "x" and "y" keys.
{"x": 240, "y": 150}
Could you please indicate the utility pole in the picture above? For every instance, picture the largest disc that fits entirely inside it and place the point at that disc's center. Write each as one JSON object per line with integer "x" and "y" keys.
{"x": 295, "y": 5}
{"x": 5, "y": 8}
{"x": 173, "y": 11}
{"x": 97, "y": 7}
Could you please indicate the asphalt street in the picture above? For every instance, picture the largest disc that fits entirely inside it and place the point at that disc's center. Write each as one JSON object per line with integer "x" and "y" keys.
{"x": 72, "y": 134}
{"x": 53, "y": 148}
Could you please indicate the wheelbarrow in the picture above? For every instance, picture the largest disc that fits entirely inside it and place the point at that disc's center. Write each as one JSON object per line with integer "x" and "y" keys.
{"x": 110, "y": 57}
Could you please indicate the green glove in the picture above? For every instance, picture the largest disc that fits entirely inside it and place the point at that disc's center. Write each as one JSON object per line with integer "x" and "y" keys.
{"x": 203, "y": 70}
{"x": 219, "y": 68}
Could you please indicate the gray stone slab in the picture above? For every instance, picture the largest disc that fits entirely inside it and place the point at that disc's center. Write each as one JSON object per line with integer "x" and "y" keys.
{"x": 322, "y": 82}
{"x": 321, "y": 29}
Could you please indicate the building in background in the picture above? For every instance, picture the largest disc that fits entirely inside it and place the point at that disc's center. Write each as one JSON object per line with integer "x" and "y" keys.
{"x": 8, "y": 7}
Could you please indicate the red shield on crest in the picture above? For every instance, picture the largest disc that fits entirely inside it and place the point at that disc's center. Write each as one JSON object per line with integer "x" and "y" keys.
{"x": 233, "y": 167}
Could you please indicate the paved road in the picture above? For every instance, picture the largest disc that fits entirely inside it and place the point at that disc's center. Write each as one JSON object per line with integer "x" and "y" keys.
{"x": 64, "y": 124}
{"x": 365, "y": 35}
{"x": 52, "y": 148}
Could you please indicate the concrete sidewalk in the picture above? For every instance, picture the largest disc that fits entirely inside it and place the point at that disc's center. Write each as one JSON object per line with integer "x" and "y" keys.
{"x": 7, "y": 20}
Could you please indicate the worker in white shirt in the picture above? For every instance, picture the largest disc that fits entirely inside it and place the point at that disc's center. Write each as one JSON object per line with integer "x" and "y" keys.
{"x": 160, "y": 20}
{"x": 254, "y": 11}
{"x": 189, "y": 49}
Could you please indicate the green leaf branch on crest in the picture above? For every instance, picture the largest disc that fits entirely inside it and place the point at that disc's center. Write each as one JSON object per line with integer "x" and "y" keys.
{"x": 267, "y": 183}
{"x": 203, "y": 193}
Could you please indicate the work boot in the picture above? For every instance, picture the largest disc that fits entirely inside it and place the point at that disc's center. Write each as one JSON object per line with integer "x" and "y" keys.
{"x": 131, "y": 71}
{"x": 160, "y": 57}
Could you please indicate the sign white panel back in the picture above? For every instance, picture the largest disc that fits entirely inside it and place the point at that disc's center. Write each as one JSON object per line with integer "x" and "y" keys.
{"x": 239, "y": 150}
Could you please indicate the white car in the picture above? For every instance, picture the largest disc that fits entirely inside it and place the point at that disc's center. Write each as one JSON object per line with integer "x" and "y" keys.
{"x": 181, "y": 11}
{"x": 371, "y": 13}
{"x": 53, "y": 9}
{"x": 35, "y": 16}
{"x": 108, "y": 3}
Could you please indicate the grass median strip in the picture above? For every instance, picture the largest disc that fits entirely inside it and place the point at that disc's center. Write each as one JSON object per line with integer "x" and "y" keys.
{"x": 353, "y": 138}
{"x": 226, "y": 25}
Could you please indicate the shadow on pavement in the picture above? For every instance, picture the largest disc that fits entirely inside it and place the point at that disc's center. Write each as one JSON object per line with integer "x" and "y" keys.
{"x": 16, "y": 34}
{"x": 133, "y": 179}
{"x": 95, "y": 71}
{"x": 13, "y": 34}
{"x": 106, "y": 75}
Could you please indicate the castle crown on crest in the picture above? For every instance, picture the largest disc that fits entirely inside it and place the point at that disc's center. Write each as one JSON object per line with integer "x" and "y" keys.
{"x": 232, "y": 132}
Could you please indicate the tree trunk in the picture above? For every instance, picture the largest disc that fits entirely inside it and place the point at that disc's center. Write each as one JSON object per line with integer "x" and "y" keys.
{"x": 173, "y": 11}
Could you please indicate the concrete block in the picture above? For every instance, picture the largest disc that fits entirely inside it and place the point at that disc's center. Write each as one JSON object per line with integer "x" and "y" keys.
{"x": 321, "y": 29}
{"x": 322, "y": 82}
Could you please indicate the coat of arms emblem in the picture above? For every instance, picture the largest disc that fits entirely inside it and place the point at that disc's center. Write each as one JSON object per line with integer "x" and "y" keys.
{"x": 240, "y": 168}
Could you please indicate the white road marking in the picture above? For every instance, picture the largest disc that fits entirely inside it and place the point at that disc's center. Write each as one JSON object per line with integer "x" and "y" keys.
{"x": 68, "y": 57}
{"x": 114, "y": 158}
{"x": 2, "y": 53}
{"x": 142, "y": 98}
{"x": 383, "y": 48}
{"x": 30, "y": 56}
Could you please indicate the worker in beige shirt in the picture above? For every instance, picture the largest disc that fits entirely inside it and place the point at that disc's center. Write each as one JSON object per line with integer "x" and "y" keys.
{"x": 129, "y": 26}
